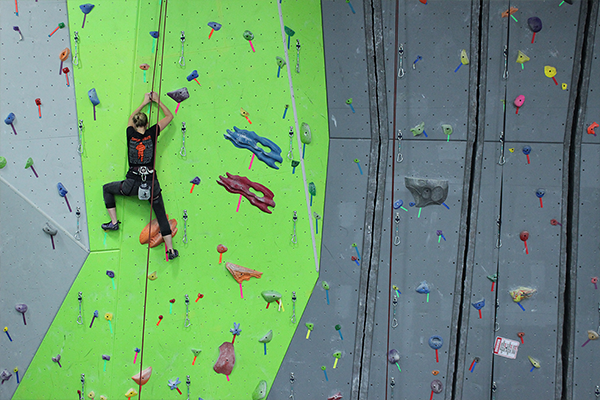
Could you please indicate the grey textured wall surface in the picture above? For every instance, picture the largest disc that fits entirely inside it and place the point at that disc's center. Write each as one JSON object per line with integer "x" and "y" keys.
{"x": 346, "y": 210}
{"x": 31, "y": 271}
{"x": 583, "y": 381}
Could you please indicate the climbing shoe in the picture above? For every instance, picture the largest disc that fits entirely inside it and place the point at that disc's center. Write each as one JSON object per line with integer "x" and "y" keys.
{"x": 111, "y": 227}
{"x": 172, "y": 254}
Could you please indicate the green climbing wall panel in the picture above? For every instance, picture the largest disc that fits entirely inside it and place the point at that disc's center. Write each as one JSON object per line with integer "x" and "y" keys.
{"x": 112, "y": 45}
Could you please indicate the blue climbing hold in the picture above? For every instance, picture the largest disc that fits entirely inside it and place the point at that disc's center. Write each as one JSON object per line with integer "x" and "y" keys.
{"x": 62, "y": 191}
{"x": 244, "y": 139}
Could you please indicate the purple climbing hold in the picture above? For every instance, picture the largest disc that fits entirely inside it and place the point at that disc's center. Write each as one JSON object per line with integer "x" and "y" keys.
{"x": 110, "y": 273}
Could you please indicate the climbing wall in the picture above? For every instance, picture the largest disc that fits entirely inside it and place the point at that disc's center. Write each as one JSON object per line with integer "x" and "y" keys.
{"x": 421, "y": 247}
{"x": 36, "y": 269}
{"x": 233, "y": 73}
{"x": 525, "y": 193}
{"x": 312, "y": 355}
{"x": 584, "y": 310}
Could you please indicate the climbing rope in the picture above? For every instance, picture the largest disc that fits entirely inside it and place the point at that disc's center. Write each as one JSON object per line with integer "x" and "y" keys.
{"x": 162, "y": 24}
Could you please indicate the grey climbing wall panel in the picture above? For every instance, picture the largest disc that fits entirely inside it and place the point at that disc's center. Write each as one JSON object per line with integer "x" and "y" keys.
{"x": 413, "y": 249}
{"x": 31, "y": 271}
{"x": 583, "y": 381}
{"x": 346, "y": 209}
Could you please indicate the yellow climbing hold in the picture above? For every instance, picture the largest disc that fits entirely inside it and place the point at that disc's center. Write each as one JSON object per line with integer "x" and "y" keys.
{"x": 522, "y": 57}
{"x": 464, "y": 59}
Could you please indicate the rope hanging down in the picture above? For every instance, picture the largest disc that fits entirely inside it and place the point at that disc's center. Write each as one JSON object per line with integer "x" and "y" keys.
{"x": 162, "y": 24}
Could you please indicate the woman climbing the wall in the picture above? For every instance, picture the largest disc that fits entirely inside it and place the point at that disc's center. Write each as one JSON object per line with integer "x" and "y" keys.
{"x": 141, "y": 142}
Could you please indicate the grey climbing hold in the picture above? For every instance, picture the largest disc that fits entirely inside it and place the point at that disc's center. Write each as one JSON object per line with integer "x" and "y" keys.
{"x": 49, "y": 229}
{"x": 427, "y": 191}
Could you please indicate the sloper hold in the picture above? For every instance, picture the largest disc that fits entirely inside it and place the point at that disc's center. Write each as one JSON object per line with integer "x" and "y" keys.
{"x": 447, "y": 128}
{"x": 215, "y": 25}
{"x": 261, "y": 391}
{"x": 427, "y": 191}
{"x": 267, "y": 337}
{"x": 305, "y": 133}
{"x": 152, "y": 230}
{"x": 179, "y": 95}
{"x": 464, "y": 58}
{"x": 241, "y": 185}
{"x": 270, "y": 295}
{"x": 240, "y": 273}
{"x": 93, "y": 96}
{"x": 143, "y": 377}
{"x": 245, "y": 139}
{"x": 226, "y": 360}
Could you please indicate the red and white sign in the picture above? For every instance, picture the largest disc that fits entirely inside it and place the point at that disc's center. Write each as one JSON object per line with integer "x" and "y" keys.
{"x": 506, "y": 347}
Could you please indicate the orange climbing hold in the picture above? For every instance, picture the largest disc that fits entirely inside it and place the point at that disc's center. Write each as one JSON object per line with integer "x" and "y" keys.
{"x": 153, "y": 231}
{"x": 510, "y": 11}
{"x": 240, "y": 273}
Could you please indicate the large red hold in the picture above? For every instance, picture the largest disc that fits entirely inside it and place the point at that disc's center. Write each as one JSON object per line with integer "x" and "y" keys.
{"x": 241, "y": 185}
{"x": 226, "y": 360}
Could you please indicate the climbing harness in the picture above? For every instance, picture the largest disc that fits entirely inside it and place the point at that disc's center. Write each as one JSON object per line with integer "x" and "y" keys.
{"x": 181, "y": 59}
{"x": 182, "y": 152}
{"x": 290, "y": 154}
{"x": 80, "y": 136}
{"x": 397, "y": 229}
{"x": 292, "y": 379}
{"x": 502, "y": 159}
{"x": 297, "y": 56}
{"x": 144, "y": 189}
{"x": 185, "y": 218}
{"x": 295, "y": 219}
{"x": 399, "y": 157}
{"x": 293, "y": 307}
{"x": 78, "y": 231}
{"x": 187, "y": 322}
{"x": 395, "y": 304}
{"x": 80, "y": 317}
{"x": 76, "y": 52}
{"x": 401, "y": 60}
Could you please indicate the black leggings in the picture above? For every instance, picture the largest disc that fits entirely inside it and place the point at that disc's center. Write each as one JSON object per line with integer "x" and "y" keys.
{"x": 129, "y": 187}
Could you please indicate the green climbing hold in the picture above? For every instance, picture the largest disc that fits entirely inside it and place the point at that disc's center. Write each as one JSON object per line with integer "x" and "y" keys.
{"x": 305, "y": 135}
{"x": 295, "y": 163}
{"x": 325, "y": 285}
{"x": 261, "y": 391}
{"x": 418, "y": 130}
{"x": 493, "y": 278}
{"x": 29, "y": 163}
{"x": 289, "y": 31}
{"x": 310, "y": 326}
{"x": 337, "y": 354}
{"x": 271, "y": 296}
{"x": 349, "y": 101}
{"x": 312, "y": 189}
{"x": 267, "y": 338}
{"x": 280, "y": 61}
{"x": 2, "y": 162}
{"x": 447, "y": 129}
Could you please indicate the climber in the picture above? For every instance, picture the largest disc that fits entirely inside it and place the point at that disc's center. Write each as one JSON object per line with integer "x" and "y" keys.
{"x": 141, "y": 178}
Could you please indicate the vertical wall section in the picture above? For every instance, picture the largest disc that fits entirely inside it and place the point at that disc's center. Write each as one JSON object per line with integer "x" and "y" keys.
{"x": 33, "y": 270}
